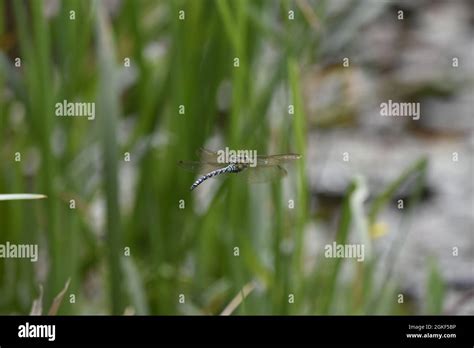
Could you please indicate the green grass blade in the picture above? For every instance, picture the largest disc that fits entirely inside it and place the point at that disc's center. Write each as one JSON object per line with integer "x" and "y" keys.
{"x": 108, "y": 114}
{"x": 435, "y": 289}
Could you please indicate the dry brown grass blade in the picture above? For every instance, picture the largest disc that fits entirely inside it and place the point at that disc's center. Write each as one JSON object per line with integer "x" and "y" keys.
{"x": 58, "y": 299}
{"x": 237, "y": 300}
{"x": 37, "y": 307}
{"x": 309, "y": 14}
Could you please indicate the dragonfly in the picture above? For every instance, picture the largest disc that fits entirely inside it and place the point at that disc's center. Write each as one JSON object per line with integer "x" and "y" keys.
{"x": 266, "y": 168}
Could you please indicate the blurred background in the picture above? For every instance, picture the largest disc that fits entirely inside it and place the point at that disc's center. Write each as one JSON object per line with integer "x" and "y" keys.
{"x": 168, "y": 77}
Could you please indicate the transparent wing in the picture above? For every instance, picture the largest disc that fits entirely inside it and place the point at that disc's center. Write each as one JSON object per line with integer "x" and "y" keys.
{"x": 207, "y": 162}
{"x": 199, "y": 167}
{"x": 207, "y": 156}
{"x": 264, "y": 174}
{"x": 276, "y": 159}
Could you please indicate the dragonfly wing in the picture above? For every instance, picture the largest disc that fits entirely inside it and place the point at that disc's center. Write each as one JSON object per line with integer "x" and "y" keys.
{"x": 264, "y": 174}
{"x": 190, "y": 165}
{"x": 199, "y": 167}
{"x": 207, "y": 155}
{"x": 276, "y": 159}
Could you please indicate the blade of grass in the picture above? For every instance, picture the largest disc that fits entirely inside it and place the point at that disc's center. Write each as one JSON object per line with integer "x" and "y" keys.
{"x": 300, "y": 131}
{"x": 37, "y": 306}
{"x": 21, "y": 196}
{"x": 108, "y": 113}
{"x": 229, "y": 22}
{"x": 419, "y": 171}
{"x": 342, "y": 234}
{"x": 36, "y": 56}
{"x": 237, "y": 300}
{"x": 385, "y": 196}
{"x": 58, "y": 299}
{"x": 435, "y": 289}
{"x": 134, "y": 285}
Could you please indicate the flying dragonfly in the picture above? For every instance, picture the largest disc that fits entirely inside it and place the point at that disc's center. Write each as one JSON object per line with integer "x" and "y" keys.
{"x": 266, "y": 168}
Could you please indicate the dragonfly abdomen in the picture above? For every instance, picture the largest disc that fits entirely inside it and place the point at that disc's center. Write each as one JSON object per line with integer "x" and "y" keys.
{"x": 231, "y": 168}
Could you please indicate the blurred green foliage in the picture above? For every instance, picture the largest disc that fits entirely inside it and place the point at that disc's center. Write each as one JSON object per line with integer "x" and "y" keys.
{"x": 173, "y": 251}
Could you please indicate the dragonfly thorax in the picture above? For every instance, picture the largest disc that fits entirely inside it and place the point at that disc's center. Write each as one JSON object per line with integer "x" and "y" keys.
{"x": 236, "y": 167}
